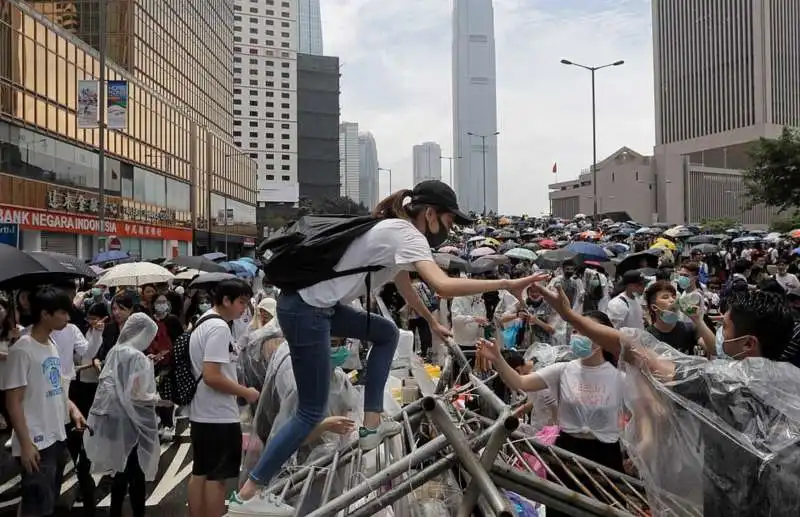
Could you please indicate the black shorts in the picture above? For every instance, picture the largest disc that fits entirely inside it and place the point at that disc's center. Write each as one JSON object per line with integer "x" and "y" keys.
{"x": 216, "y": 450}
{"x": 40, "y": 490}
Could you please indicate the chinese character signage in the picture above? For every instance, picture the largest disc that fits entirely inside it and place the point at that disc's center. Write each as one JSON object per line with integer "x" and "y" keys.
{"x": 87, "y": 104}
{"x": 117, "y": 114}
{"x": 9, "y": 234}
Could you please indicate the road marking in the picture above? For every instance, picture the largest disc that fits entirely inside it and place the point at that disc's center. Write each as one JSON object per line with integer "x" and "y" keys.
{"x": 170, "y": 479}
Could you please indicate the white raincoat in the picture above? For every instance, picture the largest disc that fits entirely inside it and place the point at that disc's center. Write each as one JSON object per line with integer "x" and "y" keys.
{"x": 464, "y": 310}
{"x": 123, "y": 414}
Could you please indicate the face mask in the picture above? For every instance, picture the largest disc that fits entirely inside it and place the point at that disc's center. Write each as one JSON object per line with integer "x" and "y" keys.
{"x": 720, "y": 345}
{"x": 581, "y": 346}
{"x": 204, "y": 307}
{"x": 684, "y": 282}
{"x": 594, "y": 282}
{"x": 161, "y": 308}
{"x": 668, "y": 317}
{"x": 96, "y": 292}
{"x": 568, "y": 274}
{"x": 437, "y": 239}
{"x": 339, "y": 355}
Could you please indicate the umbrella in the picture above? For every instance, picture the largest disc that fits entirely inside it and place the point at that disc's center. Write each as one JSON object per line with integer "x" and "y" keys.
{"x": 215, "y": 256}
{"x": 199, "y": 263}
{"x": 795, "y": 234}
{"x": 238, "y": 269}
{"x": 706, "y": 248}
{"x": 678, "y": 232}
{"x": 588, "y": 250}
{"x": 636, "y": 261}
{"x": 21, "y": 270}
{"x": 497, "y": 259}
{"x": 618, "y": 248}
{"x": 187, "y": 274}
{"x": 532, "y": 246}
{"x": 481, "y": 252}
{"x": 204, "y": 280}
{"x": 135, "y": 274}
{"x": 552, "y": 259}
{"x": 521, "y": 254}
{"x": 648, "y": 231}
{"x": 62, "y": 263}
{"x": 506, "y": 246}
{"x": 664, "y": 243}
{"x": 491, "y": 242}
{"x": 743, "y": 240}
{"x": 477, "y": 238}
{"x": 548, "y": 244}
{"x": 449, "y": 249}
{"x": 483, "y": 266}
{"x": 251, "y": 268}
{"x": 450, "y": 262}
{"x": 111, "y": 256}
{"x": 700, "y": 239}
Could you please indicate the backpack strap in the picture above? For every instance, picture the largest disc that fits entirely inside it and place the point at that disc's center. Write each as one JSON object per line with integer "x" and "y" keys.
{"x": 202, "y": 320}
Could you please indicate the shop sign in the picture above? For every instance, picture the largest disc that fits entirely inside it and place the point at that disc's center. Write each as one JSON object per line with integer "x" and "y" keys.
{"x": 114, "y": 244}
{"x": 9, "y": 234}
{"x": 74, "y": 201}
{"x": 32, "y": 219}
{"x": 249, "y": 242}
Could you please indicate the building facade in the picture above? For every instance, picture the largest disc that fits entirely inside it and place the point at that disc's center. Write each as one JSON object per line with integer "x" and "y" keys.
{"x": 475, "y": 105}
{"x": 265, "y": 95}
{"x": 625, "y": 185}
{"x": 349, "y": 161}
{"x": 427, "y": 162}
{"x": 309, "y": 30}
{"x": 726, "y": 74}
{"x": 368, "y": 173}
{"x": 318, "y": 127}
{"x": 166, "y": 174}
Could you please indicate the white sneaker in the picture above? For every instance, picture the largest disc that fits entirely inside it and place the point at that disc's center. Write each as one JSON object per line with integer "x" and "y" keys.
{"x": 8, "y": 444}
{"x": 167, "y": 434}
{"x": 368, "y": 439}
{"x": 262, "y": 505}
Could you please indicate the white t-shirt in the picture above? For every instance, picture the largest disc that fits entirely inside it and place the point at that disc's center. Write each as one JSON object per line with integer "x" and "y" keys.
{"x": 69, "y": 342}
{"x": 37, "y": 367}
{"x": 626, "y": 312}
{"x": 395, "y": 244}
{"x": 788, "y": 281}
{"x": 589, "y": 398}
{"x": 212, "y": 342}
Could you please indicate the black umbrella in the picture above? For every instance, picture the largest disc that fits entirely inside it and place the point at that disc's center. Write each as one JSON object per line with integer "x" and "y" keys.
{"x": 637, "y": 261}
{"x": 700, "y": 239}
{"x": 205, "y": 280}
{"x": 199, "y": 263}
{"x": 552, "y": 259}
{"x": 62, "y": 263}
{"x": 706, "y": 249}
{"x": 450, "y": 262}
{"x": 21, "y": 270}
{"x": 482, "y": 266}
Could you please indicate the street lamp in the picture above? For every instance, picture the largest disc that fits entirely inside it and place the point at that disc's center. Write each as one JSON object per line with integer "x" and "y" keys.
{"x": 383, "y": 169}
{"x": 593, "y": 69}
{"x": 483, "y": 151}
{"x": 450, "y": 159}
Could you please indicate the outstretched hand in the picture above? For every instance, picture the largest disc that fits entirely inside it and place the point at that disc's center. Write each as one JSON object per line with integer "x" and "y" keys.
{"x": 517, "y": 286}
{"x": 555, "y": 298}
{"x": 488, "y": 349}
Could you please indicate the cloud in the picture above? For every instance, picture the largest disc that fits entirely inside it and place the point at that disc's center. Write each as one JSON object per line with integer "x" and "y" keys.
{"x": 396, "y": 83}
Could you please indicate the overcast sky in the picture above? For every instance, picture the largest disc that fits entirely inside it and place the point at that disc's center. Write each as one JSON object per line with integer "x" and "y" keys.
{"x": 396, "y": 83}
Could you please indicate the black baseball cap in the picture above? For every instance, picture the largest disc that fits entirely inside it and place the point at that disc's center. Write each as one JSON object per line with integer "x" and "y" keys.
{"x": 633, "y": 276}
{"x": 439, "y": 195}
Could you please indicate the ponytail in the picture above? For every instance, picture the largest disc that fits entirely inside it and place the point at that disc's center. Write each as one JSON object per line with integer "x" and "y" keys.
{"x": 392, "y": 207}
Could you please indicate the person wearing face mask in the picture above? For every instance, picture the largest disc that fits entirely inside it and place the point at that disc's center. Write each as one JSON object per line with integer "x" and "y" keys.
{"x": 625, "y": 310}
{"x": 122, "y": 306}
{"x": 787, "y": 280}
{"x": 588, "y": 391}
{"x": 169, "y": 329}
{"x": 737, "y": 479}
{"x": 406, "y": 226}
{"x": 666, "y": 323}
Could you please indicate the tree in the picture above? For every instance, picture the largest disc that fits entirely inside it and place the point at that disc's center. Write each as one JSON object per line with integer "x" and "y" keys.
{"x": 785, "y": 224}
{"x": 332, "y": 206}
{"x": 774, "y": 177}
{"x": 718, "y": 225}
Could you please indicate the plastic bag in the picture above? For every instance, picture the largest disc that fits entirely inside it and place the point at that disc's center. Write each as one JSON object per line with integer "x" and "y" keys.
{"x": 440, "y": 497}
{"x": 547, "y": 436}
{"x": 258, "y": 347}
{"x": 510, "y": 334}
{"x": 723, "y": 435}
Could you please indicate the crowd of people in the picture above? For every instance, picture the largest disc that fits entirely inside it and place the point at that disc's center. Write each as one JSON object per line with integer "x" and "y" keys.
{"x": 646, "y": 350}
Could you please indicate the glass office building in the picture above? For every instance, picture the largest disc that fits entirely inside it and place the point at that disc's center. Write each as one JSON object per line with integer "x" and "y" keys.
{"x": 158, "y": 169}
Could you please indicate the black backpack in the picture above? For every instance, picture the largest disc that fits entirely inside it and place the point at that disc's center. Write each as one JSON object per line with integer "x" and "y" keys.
{"x": 306, "y": 252}
{"x": 178, "y": 383}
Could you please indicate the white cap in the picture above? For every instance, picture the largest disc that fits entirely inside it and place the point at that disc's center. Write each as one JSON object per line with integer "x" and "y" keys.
{"x": 269, "y": 305}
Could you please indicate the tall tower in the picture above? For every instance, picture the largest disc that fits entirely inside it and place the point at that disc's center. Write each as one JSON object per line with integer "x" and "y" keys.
{"x": 725, "y": 74}
{"x": 309, "y": 20}
{"x": 368, "y": 170}
{"x": 475, "y": 105}
{"x": 349, "y": 161}
{"x": 427, "y": 162}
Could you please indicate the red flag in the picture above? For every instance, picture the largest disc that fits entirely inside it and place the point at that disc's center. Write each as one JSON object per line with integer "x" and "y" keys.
{"x": 555, "y": 167}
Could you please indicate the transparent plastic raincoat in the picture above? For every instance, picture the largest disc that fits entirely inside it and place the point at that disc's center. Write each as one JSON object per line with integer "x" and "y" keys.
{"x": 464, "y": 310}
{"x": 720, "y": 436}
{"x": 123, "y": 413}
{"x": 545, "y": 406}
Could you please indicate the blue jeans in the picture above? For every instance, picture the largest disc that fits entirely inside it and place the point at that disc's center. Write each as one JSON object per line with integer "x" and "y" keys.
{"x": 308, "y": 331}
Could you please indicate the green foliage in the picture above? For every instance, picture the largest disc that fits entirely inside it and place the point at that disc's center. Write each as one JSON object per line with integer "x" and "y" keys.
{"x": 275, "y": 222}
{"x": 774, "y": 177}
{"x": 336, "y": 206}
{"x": 785, "y": 224}
{"x": 718, "y": 225}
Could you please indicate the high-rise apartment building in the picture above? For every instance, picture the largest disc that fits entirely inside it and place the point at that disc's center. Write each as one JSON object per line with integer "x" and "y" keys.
{"x": 309, "y": 20}
{"x": 368, "y": 180}
{"x": 168, "y": 172}
{"x": 475, "y": 105}
{"x": 349, "y": 161}
{"x": 726, "y": 73}
{"x": 265, "y": 94}
{"x": 427, "y": 162}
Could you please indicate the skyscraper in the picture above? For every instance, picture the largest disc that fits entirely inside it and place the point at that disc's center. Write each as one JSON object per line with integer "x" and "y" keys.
{"x": 475, "y": 105}
{"x": 427, "y": 162}
{"x": 265, "y": 95}
{"x": 368, "y": 190}
{"x": 725, "y": 75}
{"x": 309, "y": 27}
{"x": 349, "y": 160}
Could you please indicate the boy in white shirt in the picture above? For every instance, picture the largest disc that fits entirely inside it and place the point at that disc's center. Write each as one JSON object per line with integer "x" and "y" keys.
{"x": 38, "y": 404}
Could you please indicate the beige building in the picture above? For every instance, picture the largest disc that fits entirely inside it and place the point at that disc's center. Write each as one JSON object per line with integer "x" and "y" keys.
{"x": 625, "y": 184}
{"x": 726, "y": 73}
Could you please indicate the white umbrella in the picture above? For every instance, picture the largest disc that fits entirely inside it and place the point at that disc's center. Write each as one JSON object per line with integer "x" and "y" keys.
{"x": 135, "y": 274}
{"x": 187, "y": 274}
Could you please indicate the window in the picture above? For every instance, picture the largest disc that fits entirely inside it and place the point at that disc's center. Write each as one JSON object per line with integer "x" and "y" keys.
{"x": 285, "y": 105}
{"x": 237, "y": 101}
{"x": 270, "y": 157}
{"x": 253, "y": 145}
{"x": 285, "y": 147}
{"x": 270, "y": 12}
{"x": 253, "y": 82}
{"x": 285, "y": 25}
{"x": 285, "y": 116}
{"x": 270, "y": 177}
{"x": 253, "y": 134}
{"x": 253, "y": 30}
{"x": 284, "y": 137}
{"x": 270, "y": 43}
{"x": 253, "y": 103}
{"x": 284, "y": 85}
{"x": 237, "y": 122}
{"x": 253, "y": 123}
{"x": 254, "y": 10}
{"x": 270, "y": 114}
{"x": 253, "y": 71}
{"x": 270, "y": 73}
{"x": 285, "y": 168}
{"x": 285, "y": 126}
{"x": 285, "y": 64}
{"x": 253, "y": 155}
{"x": 284, "y": 95}
{"x": 253, "y": 113}
{"x": 284, "y": 157}
{"x": 270, "y": 146}
{"x": 237, "y": 112}
{"x": 270, "y": 135}
{"x": 286, "y": 178}
{"x": 284, "y": 44}
{"x": 237, "y": 59}
{"x": 285, "y": 75}
{"x": 237, "y": 91}
{"x": 270, "y": 167}
{"x": 253, "y": 61}
{"x": 253, "y": 51}
{"x": 253, "y": 92}
{"x": 285, "y": 34}
{"x": 237, "y": 133}
{"x": 269, "y": 125}
{"x": 237, "y": 70}
{"x": 254, "y": 41}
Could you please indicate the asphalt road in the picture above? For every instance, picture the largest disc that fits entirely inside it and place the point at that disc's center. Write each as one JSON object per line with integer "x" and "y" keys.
{"x": 166, "y": 495}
